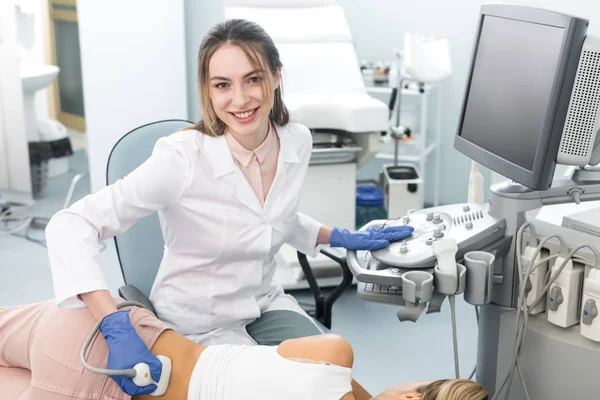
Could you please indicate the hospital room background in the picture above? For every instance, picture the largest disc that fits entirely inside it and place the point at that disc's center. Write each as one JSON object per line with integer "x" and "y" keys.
{"x": 124, "y": 64}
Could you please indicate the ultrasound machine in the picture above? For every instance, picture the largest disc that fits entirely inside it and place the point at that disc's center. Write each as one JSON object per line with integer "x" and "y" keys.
{"x": 531, "y": 102}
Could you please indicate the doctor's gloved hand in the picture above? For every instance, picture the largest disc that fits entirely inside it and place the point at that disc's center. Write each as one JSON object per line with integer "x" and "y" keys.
{"x": 126, "y": 349}
{"x": 370, "y": 239}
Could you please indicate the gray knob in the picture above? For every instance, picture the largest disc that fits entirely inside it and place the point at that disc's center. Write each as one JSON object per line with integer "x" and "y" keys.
{"x": 429, "y": 241}
{"x": 469, "y": 225}
{"x": 555, "y": 298}
{"x": 466, "y": 208}
{"x": 437, "y": 218}
{"x": 437, "y": 233}
{"x": 576, "y": 197}
{"x": 429, "y": 216}
{"x": 590, "y": 311}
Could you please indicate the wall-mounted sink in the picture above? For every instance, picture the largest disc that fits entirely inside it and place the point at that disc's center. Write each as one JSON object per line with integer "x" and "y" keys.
{"x": 34, "y": 77}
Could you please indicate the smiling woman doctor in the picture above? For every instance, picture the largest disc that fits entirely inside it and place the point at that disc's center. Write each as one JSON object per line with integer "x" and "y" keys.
{"x": 227, "y": 192}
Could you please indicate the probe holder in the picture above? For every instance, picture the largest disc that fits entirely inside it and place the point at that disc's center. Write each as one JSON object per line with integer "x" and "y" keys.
{"x": 417, "y": 286}
{"x": 480, "y": 277}
{"x": 448, "y": 284}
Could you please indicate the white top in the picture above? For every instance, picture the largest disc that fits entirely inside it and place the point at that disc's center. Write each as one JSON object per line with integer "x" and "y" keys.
{"x": 220, "y": 243}
{"x": 228, "y": 372}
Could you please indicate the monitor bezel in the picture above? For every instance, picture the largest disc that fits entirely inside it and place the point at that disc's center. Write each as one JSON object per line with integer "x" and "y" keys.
{"x": 544, "y": 164}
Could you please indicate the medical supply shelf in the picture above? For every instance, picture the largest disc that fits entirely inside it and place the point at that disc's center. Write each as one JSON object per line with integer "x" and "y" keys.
{"x": 418, "y": 150}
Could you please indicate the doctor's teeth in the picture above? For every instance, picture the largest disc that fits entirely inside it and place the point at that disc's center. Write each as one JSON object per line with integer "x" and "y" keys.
{"x": 244, "y": 115}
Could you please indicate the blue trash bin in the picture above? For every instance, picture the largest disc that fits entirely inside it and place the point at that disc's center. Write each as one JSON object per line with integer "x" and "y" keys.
{"x": 369, "y": 205}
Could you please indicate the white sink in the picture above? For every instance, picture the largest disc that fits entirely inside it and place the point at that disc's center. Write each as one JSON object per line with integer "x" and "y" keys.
{"x": 34, "y": 77}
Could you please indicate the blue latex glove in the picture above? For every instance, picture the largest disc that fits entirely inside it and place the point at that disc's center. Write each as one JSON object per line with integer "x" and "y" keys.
{"x": 370, "y": 239}
{"x": 127, "y": 349}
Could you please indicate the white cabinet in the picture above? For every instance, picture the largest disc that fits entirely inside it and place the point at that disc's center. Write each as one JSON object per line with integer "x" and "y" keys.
{"x": 427, "y": 139}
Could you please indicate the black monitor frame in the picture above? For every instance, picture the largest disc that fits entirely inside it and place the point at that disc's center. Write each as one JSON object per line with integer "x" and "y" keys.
{"x": 540, "y": 176}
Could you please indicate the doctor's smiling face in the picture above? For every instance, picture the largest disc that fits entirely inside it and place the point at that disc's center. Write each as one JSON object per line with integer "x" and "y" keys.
{"x": 238, "y": 77}
{"x": 241, "y": 92}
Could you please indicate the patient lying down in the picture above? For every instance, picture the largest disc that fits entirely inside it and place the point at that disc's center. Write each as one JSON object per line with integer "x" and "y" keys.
{"x": 47, "y": 341}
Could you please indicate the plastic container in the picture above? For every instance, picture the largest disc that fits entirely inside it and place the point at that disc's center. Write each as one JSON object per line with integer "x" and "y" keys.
{"x": 39, "y": 155}
{"x": 369, "y": 205}
{"x": 56, "y": 135}
{"x": 402, "y": 186}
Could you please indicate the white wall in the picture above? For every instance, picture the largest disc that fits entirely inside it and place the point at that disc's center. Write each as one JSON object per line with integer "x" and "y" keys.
{"x": 200, "y": 16}
{"x": 133, "y": 61}
{"x": 14, "y": 153}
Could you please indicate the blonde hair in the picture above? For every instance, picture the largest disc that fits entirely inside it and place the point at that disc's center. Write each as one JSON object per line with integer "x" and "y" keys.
{"x": 457, "y": 389}
{"x": 256, "y": 44}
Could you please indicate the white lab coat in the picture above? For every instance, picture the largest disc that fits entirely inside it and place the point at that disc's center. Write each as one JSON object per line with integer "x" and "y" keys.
{"x": 216, "y": 272}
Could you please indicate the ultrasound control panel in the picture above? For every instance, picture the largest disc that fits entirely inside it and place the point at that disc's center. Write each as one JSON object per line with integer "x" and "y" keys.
{"x": 469, "y": 225}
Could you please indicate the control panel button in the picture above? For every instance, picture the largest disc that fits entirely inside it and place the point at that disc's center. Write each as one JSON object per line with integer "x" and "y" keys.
{"x": 466, "y": 208}
{"x": 403, "y": 247}
{"x": 469, "y": 225}
{"x": 429, "y": 216}
{"x": 429, "y": 241}
{"x": 437, "y": 233}
{"x": 437, "y": 218}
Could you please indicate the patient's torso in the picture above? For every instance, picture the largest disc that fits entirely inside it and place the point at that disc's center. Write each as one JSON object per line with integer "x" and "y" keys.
{"x": 183, "y": 354}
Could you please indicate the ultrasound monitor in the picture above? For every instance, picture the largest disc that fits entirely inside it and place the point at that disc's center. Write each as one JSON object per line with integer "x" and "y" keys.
{"x": 530, "y": 92}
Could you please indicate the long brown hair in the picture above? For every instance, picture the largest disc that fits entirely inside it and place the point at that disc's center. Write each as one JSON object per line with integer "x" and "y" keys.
{"x": 256, "y": 44}
{"x": 456, "y": 389}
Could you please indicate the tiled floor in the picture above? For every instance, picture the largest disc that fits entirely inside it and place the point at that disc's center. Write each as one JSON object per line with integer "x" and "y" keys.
{"x": 77, "y": 139}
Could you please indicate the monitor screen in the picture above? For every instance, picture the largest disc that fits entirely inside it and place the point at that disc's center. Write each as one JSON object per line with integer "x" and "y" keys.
{"x": 514, "y": 69}
{"x": 518, "y": 90}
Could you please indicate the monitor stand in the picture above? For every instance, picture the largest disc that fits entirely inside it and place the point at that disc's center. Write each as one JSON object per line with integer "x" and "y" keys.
{"x": 582, "y": 184}
{"x": 586, "y": 175}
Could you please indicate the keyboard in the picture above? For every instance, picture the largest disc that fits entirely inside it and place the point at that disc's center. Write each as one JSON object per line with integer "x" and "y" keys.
{"x": 380, "y": 293}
